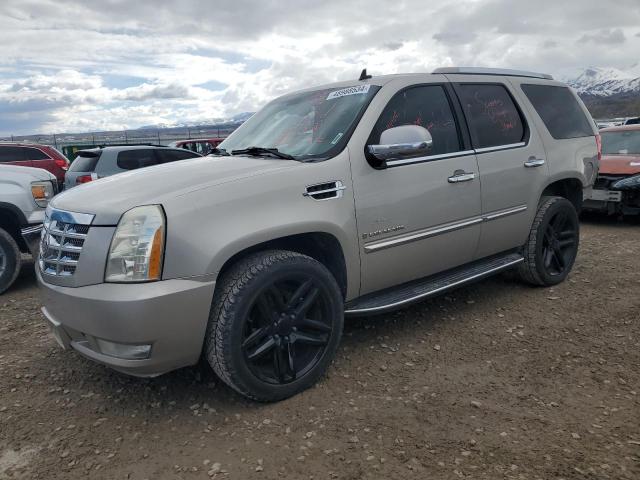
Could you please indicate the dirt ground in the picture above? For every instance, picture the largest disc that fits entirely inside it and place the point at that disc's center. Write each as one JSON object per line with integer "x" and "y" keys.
{"x": 495, "y": 380}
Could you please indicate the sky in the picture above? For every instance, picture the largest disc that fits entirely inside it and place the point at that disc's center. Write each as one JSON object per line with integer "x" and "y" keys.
{"x": 78, "y": 66}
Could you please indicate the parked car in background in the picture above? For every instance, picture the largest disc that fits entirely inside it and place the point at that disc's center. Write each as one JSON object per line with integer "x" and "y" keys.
{"x": 96, "y": 163}
{"x": 632, "y": 121}
{"x": 199, "y": 145}
{"x": 364, "y": 196}
{"x": 25, "y": 193}
{"x": 34, "y": 155}
{"x": 617, "y": 188}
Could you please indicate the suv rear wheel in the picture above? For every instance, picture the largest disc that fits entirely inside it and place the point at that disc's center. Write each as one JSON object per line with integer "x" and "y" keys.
{"x": 10, "y": 260}
{"x": 275, "y": 325}
{"x": 552, "y": 246}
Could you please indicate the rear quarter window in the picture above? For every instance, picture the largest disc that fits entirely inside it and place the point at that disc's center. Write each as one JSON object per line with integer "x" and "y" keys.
{"x": 36, "y": 154}
{"x": 493, "y": 118}
{"x": 559, "y": 110}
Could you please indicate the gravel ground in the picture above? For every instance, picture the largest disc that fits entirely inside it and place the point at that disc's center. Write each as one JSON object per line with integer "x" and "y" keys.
{"x": 495, "y": 380}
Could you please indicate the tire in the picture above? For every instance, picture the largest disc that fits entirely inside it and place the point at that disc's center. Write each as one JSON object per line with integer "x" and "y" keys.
{"x": 263, "y": 342}
{"x": 552, "y": 245}
{"x": 10, "y": 260}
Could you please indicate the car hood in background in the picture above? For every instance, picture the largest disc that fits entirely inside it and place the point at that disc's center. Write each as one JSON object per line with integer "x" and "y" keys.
{"x": 35, "y": 173}
{"x": 108, "y": 198}
{"x": 620, "y": 164}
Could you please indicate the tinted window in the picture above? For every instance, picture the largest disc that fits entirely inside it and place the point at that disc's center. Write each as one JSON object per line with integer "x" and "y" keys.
{"x": 132, "y": 159}
{"x": 425, "y": 106}
{"x": 173, "y": 155}
{"x": 84, "y": 164}
{"x": 35, "y": 154}
{"x": 493, "y": 118}
{"x": 559, "y": 110}
{"x": 11, "y": 154}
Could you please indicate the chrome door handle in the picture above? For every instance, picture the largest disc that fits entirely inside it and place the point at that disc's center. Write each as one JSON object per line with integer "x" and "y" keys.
{"x": 461, "y": 176}
{"x": 534, "y": 162}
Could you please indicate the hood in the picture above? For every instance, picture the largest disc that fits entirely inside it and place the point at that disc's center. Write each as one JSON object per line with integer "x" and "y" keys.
{"x": 29, "y": 172}
{"x": 108, "y": 198}
{"x": 620, "y": 164}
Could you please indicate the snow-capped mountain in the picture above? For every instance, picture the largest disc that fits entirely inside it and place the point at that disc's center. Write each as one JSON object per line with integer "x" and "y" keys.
{"x": 234, "y": 120}
{"x": 604, "y": 82}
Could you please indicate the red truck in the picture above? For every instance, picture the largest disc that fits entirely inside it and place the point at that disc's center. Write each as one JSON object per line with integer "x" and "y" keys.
{"x": 34, "y": 155}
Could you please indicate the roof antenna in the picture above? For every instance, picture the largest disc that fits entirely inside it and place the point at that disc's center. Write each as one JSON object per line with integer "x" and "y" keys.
{"x": 363, "y": 75}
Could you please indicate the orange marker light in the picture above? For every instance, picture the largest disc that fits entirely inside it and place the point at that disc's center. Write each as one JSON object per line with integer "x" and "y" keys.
{"x": 155, "y": 258}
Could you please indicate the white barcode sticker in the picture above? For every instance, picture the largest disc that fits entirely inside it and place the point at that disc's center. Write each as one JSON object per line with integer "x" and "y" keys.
{"x": 357, "y": 90}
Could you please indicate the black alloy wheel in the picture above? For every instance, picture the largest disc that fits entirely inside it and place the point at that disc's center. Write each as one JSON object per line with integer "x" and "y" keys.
{"x": 552, "y": 245}
{"x": 287, "y": 330}
{"x": 275, "y": 324}
{"x": 559, "y": 244}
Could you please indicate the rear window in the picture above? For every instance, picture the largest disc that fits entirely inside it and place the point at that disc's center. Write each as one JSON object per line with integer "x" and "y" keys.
{"x": 621, "y": 143}
{"x": 134, "y": 159}
{"x": 85, "y": 162}
{"x": 494, "y": 120}
{"x": 11, "y": 154}
{"x": 559, "y": 110}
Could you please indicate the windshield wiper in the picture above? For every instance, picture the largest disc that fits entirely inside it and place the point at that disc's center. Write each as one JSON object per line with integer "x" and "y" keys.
{"x": 263, "y": 151}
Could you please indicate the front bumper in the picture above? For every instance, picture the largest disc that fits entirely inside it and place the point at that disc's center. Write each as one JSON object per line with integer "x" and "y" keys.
{"x": 169, "y": 315}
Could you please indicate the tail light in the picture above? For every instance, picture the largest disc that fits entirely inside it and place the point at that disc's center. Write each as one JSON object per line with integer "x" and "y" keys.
{"x": 83, "y": 179}
{"x": 599, "y": 145}
{"x": 62, "y": 163}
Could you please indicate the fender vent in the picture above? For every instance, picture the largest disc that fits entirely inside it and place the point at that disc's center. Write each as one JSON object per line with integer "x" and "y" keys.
{"x": 325, "y": 191}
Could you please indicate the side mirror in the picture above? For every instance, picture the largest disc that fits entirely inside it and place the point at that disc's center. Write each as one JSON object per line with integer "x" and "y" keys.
{"x": 406, "y": 141}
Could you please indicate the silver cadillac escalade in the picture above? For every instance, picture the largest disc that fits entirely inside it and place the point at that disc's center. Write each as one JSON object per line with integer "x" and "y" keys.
{"x": 347, "y": 199}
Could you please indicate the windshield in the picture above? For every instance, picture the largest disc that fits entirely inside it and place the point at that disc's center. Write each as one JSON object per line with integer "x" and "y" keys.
{"x": 621, "y": 143}
{"x": 309, "y": 125}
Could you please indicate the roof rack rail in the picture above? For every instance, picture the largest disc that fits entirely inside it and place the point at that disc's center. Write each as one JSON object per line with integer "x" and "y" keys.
{"x": 492, "y": 71}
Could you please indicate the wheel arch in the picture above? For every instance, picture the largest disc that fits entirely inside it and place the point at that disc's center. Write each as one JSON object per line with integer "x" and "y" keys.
{"x": 570, "y": 188}
{"x": 11, "y": 220}
{"x": 321, "y": 246}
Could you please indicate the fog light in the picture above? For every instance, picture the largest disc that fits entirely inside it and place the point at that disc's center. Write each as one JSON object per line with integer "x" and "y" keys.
{"x": 122, "y": 350}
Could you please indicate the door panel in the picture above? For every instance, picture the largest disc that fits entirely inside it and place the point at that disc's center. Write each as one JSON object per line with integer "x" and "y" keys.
{"x": 418, "y": 216}
{"x": 511, "y": 160}
{"x": 410, "y": 220}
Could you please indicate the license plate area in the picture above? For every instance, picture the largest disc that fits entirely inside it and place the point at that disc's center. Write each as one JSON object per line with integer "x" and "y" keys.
{"x": 606, "y": 195}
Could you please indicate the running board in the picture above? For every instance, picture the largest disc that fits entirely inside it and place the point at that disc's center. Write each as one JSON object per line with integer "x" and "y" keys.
{"x": 407, "y": 293}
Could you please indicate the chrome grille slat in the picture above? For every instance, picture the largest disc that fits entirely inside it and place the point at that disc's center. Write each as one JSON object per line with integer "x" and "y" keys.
{"x": 62, "y": 242}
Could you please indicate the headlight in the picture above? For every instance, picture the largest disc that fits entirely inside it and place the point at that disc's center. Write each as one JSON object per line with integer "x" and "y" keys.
{"x": 137, "y": 247}
{"x": 629, "y": 182}
{"x": 42, "y": 192}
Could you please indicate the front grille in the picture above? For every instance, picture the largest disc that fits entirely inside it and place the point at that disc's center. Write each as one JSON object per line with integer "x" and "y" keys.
{"x": 61, "y": 242}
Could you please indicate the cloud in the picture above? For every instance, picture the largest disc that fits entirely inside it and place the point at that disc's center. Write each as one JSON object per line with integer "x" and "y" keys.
{"x": 97, "y": 64}
{"x": 608, "y": 37}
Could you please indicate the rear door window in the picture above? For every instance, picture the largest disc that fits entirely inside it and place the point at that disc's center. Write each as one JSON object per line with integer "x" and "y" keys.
{"x": 493, "y": 118}
{"x": 427, "y": 106}
{"x": 559, "y": 110}
{"x": 134, "y": 159}
{"x": 36, "y": 154}
{"x": 84, "y": 162}
{"x": 11, "y": 154}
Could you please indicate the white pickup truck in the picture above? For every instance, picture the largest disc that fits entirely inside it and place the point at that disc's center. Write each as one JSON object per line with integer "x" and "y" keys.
{"x": 24, "y": 195}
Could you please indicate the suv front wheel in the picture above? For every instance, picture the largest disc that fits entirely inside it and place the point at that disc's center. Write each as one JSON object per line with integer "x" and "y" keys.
{"x": 10, "y": 260}
{"x": 552, "y": 244}
{"x": 275, "y": 324}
